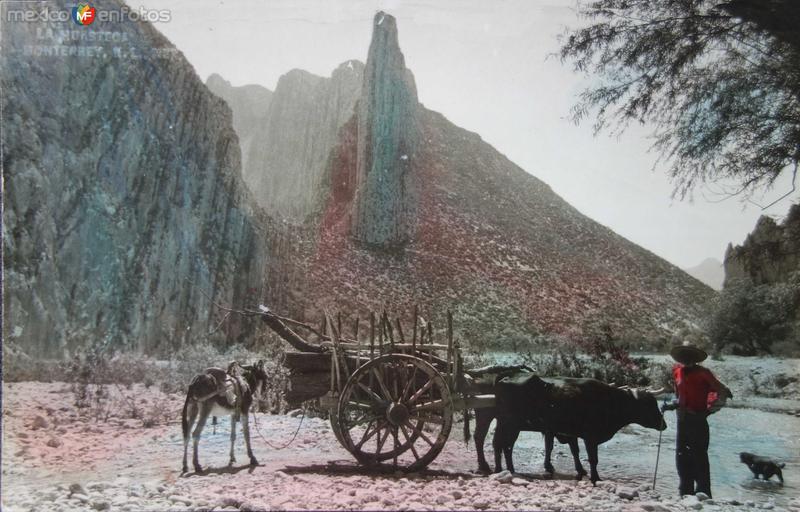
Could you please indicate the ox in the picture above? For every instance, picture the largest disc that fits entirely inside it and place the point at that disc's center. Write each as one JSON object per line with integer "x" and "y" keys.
{"x": 483, "y": 382}
{"x": 585, "y": 408}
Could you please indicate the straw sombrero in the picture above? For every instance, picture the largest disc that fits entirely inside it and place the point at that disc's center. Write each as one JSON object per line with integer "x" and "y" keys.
{"x": 688, "y": 353}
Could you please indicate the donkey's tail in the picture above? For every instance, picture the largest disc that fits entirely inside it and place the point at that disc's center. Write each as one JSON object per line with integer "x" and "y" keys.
{"x": 184, "y": 416}
{"x": 467, "y": 434}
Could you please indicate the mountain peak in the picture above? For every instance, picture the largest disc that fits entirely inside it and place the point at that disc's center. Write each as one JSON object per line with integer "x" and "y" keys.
{"x": 386, "y": 142}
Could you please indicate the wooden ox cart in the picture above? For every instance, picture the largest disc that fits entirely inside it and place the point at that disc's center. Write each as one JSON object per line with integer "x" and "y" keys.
{"x": 391, "y": 393}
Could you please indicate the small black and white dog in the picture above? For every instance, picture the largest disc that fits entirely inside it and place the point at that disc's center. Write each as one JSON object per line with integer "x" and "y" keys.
{"x": 762, "y": 466}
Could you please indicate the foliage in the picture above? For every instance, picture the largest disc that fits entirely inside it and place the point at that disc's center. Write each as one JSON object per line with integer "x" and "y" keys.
{"x": 720, "y": 81}
{"x": 569, "y": 362}
{"x": 750, "y": 319}
{"x": 19, "y": 366}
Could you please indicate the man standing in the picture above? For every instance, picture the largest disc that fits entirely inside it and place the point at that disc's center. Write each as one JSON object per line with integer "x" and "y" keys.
{"x": 698, "y": 394}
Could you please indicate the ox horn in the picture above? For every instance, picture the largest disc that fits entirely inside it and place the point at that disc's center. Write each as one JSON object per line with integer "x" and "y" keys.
{"x": 657, "y": 392}
{"x": 625, "y": 387}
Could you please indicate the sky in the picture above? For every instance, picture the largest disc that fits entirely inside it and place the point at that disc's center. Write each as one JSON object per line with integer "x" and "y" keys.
{"x": 489, "y": 67}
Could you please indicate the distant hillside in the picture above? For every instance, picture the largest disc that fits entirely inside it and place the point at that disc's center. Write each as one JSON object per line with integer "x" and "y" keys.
{"x": 249, "y": 105}
{"x": 710, "y": 271}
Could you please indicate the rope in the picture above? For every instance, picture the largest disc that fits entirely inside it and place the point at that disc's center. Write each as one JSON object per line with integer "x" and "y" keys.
{"x": 258, "y": 431}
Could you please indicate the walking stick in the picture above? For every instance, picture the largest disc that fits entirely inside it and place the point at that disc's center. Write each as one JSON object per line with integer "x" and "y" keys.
{"x": 658, "y": 454}
{"x": 658, "y": 450}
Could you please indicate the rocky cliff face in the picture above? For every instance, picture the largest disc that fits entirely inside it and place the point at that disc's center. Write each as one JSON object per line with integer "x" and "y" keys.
{"x": 290, "y": 148}
{"x": 769, "y": 254}
{"x": 249, "y": 104}
{"x": 387, "y": 134}
{"x": 124, "y": 203}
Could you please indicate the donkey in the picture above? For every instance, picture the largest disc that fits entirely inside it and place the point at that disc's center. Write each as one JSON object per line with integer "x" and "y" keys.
{"x": 216, "y": 392}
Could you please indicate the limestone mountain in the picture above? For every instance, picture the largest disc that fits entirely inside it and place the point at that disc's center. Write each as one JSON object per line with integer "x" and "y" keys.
{"x": 127, "y": 207}
{"x": 290, "y": 146}
{"x": 249, "y": 105}
{"x": 124, "y": 203}
{"x": 421, "y": 211}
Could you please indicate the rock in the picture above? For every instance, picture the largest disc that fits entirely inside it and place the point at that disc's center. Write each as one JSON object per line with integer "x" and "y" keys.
{"x": 77, "y": 489}
{"x": 691, "y": 502}
{"x": 502, "y": 477}
{"x": 54, "y": 442}
{"x": 39, "y": 422}
{"x": 441, "y": 499}
{"x": 627, "y": 493}
{"x": 519, "y": 481}
{"x": 653, "y": 506}
{"x": 81, "y": 497}
{"x": 702, "y": 496}
{"x": 481, "y": 504}
{"x": 457, "y": 495}
{"x": 22, "y": 435}
{"x": 101, "y": 505}
{"x": 174, "y": 498}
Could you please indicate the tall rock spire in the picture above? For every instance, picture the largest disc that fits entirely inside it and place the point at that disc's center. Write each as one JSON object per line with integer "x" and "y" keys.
{"x": 387, "y": 109}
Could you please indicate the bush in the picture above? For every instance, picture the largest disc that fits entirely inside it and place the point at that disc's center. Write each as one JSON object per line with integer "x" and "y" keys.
{"x": 569, "y": 362}
{"x": 19, "y": 366}
{"x": 751, "y": 319}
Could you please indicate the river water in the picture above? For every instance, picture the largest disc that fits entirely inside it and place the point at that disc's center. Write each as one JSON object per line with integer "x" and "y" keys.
{"x": 630, "y": 457}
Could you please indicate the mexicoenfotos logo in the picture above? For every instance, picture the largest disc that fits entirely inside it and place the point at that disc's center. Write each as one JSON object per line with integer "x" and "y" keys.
{"x": 83, "y": 14}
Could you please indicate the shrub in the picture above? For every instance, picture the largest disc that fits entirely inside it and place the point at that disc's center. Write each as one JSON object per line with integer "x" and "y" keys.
{"x": 19, "y": 366}
{"x": 750, "y": 319}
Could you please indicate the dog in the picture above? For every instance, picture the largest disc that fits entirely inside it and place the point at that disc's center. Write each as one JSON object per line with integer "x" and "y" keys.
{"x": 762, "y": 466}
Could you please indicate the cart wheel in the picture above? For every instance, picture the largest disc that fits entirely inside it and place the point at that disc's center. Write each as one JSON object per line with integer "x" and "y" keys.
{"x": 395, "y": 409}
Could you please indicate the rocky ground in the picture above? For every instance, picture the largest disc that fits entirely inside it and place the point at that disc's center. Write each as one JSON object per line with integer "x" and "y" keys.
{"x": 57, "y": 457}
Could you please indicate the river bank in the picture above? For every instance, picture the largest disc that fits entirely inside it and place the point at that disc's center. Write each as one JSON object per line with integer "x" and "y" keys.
{"x": 56, "y": 458}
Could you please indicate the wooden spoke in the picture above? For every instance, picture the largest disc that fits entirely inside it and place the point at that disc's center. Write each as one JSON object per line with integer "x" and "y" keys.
{"x": 427, "y": 418}
{"x": 435, "y": 405}
{"x": 382, "y": 441}
{"x": 409, "y": 441}
{"x": 379, "y": 378}
{"x": 396, "y": 445}
{"x": 422, "y": 390}
{"x": 377, "y": 399}
{"x": 359, "y": 405}
{"x": 360, "y": 419}
{"x": 424, "y": 437}
{"x": 366, "y": 437}
{"x": 409, "y": 384}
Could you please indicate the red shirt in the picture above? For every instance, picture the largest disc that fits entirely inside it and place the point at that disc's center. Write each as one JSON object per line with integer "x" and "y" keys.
{"x": 696, "y": 387}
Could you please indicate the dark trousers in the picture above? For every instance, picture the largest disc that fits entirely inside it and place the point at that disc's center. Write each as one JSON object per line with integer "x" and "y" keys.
{"x": 692, "y": 453}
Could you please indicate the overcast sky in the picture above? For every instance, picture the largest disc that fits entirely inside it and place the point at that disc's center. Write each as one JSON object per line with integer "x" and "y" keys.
{"x": 486, "y": 66}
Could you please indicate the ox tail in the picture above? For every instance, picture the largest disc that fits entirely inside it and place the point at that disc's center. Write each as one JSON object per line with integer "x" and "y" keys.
{"x": 467, "y": 434}
{"x": 184, "y": 418}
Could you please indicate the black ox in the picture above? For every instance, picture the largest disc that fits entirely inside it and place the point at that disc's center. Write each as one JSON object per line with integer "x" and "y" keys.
{"x": 585, "y": 408}
{"x": 483, "y": 382}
